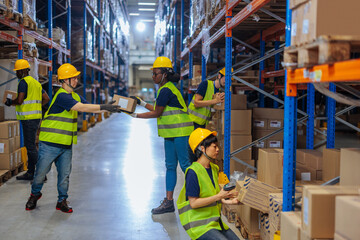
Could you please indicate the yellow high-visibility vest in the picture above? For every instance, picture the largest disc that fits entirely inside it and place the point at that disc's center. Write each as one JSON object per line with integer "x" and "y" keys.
{"x": 202, "y": 115}
{"x": 31, "y": 107}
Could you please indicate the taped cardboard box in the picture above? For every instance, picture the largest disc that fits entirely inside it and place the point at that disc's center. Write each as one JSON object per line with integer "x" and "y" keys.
{"x": 125, "y": 103}
{"x": 268, "y": 113}
{"x": 6, "y": 130}
{"x": 270, "y": 167}
{"x": 17, "y": 157}
{"x": 349, "y": 166}
{"x": 347, "y": 217}
{"x": 264, "y": 227}
{"x": 17, "y": 142}
{"x": 309, "y": 158}
{"x": 7, "y": 161}
{"x": 318, "y": 209}
{"x": 250, "y": 218}
{"x": 306, "y": 173}
{"x": 331, "y": 164}
{"x": 9, "y": 94}
{"x": 290, "y": 225}
{"x": 7, "y": 145}
{"x": 240, "y": 122}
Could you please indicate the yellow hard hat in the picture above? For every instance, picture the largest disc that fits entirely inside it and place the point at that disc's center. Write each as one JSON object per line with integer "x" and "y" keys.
{"x": 198, "y": 135}
{"x": 222, "y": 71}
{"x": 21, "y": 64}
{"x": 66, "y": 71}
{"x": 162, "y": 62}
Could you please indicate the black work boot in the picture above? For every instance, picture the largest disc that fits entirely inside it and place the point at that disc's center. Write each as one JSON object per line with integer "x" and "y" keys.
{"x": 64, "y": 207}
{"x": 165, "y": 207}
{"x": 31, "y": 203}
{"x": 26, "y": 176}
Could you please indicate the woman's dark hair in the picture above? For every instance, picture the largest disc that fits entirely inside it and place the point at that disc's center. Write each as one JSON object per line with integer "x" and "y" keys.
{"x": 206, "y": 143}
{"x": 172, "y": 76}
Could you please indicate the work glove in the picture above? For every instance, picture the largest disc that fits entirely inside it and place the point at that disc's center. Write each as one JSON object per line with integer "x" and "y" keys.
{"x": 8, "y": 102}
{"x": 109, "y": 107}
{"x": 139, "y": 101}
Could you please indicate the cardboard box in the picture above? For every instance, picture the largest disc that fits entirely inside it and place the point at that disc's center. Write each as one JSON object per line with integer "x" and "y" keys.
{"x": 7, "y": 161}
{"x": 314, "y": 175}
{"x": 238, "y": 102}
{"x": 275, "y": 141}
{"x": 268, "y": 113}
{"x": 275, "y": 124}
{"x": 327, "y": 17}
{"x": 17, "y": 142}
{"x": 6, "y": 129}
{"x": 240, "y": 122}
{"x": 125, "y": 103}
{"x": 17, "y": 157}
{"x": 290, "y": 225}
{"x": 318, "y": 210}
{"x": 331, "y": 164}
{"x": 7, "y": 145}
{"x": 2, "y": 114}
{"x": 260, "y": 124}
{"x": 238, "y": 141}
{"x": 309, "y": 158}
{"x": 347, "y": 217}
{"x": 197, "y": 71}
{"x": 9, "y": 94}
{"x": 250, "y": 218}
{"x": 264, "y": 227}
{"x": 255, "y": 194}
{"x": 295, "y": 3}
{"x": 349, "y": 166}
{"x": 270, "y": 167}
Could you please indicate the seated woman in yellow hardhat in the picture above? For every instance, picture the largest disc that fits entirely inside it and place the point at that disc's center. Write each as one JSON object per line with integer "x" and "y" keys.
{"x": 199, "y": 202}
{"x": 174, "y": 125}
{"x": 207, "y": 94}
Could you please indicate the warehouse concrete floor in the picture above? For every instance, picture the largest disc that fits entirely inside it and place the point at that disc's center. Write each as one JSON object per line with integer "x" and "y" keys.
{"x": 118, "y": 176}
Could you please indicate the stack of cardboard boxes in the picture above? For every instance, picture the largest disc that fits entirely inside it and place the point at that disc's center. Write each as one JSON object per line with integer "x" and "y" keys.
{"x": 10, "y": 153}
{"x": 308, "y": 165}
{"x": 196, "y": 79}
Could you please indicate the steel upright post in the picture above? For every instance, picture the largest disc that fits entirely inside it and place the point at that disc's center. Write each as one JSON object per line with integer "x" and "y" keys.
{"x": 311, "y": 112}
{"x": 228, "y": 66}
{"x": 331, "y": 107}
{"x": 175, "y": 22}
{"x": 261, "y": 69}
{"x": 277, "y": 67}
{"x": 84, "y": 53}
{"x": 20, "y": 33}
{"x": 203, "y": 68}
{"x": 190, "y": 74}
{"x": 68, "y": 23}
{"x": 182, "y": 44}
{"x": 50, "y": 52}
{"x": 290, "y": 119}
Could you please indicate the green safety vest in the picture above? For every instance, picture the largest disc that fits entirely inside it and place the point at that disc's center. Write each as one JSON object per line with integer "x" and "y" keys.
{"x": 174, "y": 122}
{"x": 60, "y": 128}
{"x": 202, "y": 115}
{"x": 31, "y": 107}
{"x": 198, "y": 221}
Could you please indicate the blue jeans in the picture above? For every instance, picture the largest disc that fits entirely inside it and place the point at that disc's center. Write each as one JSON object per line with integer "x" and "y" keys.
{"x": 176, "y": 150}
{"x": 215, "y": 234}
{"x": 62, "y": 158}
{"x": 30, "y": 128}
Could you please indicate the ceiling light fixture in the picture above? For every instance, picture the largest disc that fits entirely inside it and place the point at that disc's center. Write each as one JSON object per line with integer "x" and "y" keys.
{"x": 147, "y": 9}
{"x": 140, "y": 26}
{"x": 134, "y": 14}
{"x": 146, "y": 4}
{"x": 147, "y": 20}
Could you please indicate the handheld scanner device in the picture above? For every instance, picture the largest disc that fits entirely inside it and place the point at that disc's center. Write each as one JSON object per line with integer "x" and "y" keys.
{"x": 229, "y": 186}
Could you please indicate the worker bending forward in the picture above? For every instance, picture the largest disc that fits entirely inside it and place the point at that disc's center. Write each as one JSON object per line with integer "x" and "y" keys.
{"x": 28, "y": 103}
{"x": 208, "y": 94}
{"x": 199, "y": 202}
{"x": 174, "y": 125}
{"x": 58, "y": 132}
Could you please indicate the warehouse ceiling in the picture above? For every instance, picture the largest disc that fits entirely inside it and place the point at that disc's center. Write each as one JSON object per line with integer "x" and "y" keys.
{"x": 142, "y": 9}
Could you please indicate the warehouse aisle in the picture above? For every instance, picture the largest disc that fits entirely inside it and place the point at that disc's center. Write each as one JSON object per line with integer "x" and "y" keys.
{"x": 118, "y": 176}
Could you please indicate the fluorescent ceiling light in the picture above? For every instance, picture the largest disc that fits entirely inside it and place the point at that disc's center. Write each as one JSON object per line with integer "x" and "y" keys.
{"x": 134, "y": 14}
{"x": 147, "y": 20}
{"x": 146, "y": 4}
{"x": 147, "y": 9}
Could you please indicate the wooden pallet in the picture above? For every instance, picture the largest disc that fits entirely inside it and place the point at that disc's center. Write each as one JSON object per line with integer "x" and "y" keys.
{"x": 17, "y": 17}
{"x": 244, "y": 232}
{"x": 17, "y": 170}
{"x": 29, "y": 23}
{"x": 230, "y": 212}
{"x": 324, "y": 50}
{"x": 4, "y": 176}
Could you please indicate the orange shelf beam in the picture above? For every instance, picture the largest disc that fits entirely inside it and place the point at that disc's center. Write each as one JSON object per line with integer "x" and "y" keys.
{"x": 279, "y": 73}
{"x": 9, "y": 38}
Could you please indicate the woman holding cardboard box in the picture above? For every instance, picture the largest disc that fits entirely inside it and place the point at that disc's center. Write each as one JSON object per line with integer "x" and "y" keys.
{"x": 199, "y": 202}
{"x": 174, "y": 125}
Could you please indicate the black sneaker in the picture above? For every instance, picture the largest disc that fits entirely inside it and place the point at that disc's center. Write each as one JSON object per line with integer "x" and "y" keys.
{"x": 64, "y": 207}
{"x": 26, "y": 176}
{"x": 166, "y": 206}
{"x": 31, "y": 203}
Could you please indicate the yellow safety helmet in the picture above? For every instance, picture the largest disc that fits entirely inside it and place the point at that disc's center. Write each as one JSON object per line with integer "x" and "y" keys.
{"x": 222, "y": 71}
{"x": 162, "y": 62}
{"x": 21, "y": 64}
{"x": 198, "y": 135}
{"x": 66, "y": 71}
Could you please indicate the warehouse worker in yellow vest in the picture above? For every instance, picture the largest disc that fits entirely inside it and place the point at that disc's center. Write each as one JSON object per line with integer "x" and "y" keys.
{"x": 208, "y": 94}
{"x": 174, "y": 125}
{"x": 199, "y": 202}
{"x": 58, "y": 132}
{"x": 28, "y": 104}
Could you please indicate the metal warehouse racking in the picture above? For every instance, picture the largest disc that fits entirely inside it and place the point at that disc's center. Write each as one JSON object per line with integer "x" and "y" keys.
{"x": 220, "y": 33}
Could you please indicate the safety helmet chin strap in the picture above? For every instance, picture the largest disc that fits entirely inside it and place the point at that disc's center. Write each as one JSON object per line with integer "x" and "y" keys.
{"x": 162, "y": 79}
{"x": 207, "y": 156}
{"x": 69, "y": 85}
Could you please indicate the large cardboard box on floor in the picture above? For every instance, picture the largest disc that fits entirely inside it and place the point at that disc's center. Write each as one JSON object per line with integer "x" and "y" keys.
{"x": 328, "y": 17}
{"x": 318, "y": 210}
{"x": 7, "y": 145}
{"x": 240, "y": 122}
{"x": 238, "y": 102}
{"x": 290, "y": 225}
{"x": 331, "y": 164}
{"x": 349, "y": 166}
{"x": 270, "y": 167}
{"x": 125, "y": 103}
{"x": 255, "y": 194}
{"x": 347, "y": 217}
{"x": 9, "y": 94}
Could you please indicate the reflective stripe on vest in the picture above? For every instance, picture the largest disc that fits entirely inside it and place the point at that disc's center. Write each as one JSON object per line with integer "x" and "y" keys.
{"x": 31, "y": 106}
{"x": 60, "y": 128}
{"x": 174, "y": 122}
{"x": 202, "y": 115}
{"x": 197, "y": 221}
